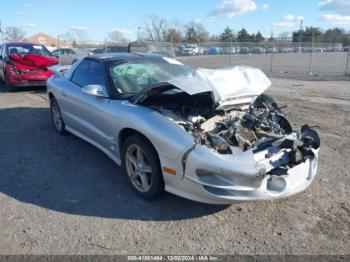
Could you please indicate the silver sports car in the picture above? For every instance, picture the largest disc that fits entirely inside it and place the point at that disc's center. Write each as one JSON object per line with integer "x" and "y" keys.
{"x": 207, "y": 135}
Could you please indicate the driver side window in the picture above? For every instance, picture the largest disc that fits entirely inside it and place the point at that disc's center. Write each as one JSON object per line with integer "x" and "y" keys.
{"x": 89, "y": 72}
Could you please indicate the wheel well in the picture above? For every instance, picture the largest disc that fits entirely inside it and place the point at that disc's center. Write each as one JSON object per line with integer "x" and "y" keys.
{"x": 127, "y": 132}
{"x": 51, "y": 96}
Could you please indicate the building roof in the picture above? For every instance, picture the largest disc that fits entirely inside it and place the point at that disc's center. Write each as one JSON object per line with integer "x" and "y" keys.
{"x": 47, "y": 40}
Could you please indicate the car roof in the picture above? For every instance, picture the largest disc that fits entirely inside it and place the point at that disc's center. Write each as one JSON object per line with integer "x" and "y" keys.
{"x": 117, "y": 56}
{"x": 21, "y": 43}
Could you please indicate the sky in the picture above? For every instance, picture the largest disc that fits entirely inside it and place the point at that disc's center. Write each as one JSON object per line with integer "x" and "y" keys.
{"x": 96, "y": 18}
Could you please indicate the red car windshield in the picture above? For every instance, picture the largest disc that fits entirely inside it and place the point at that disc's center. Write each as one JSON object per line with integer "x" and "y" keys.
{"x": 23, "y": 49}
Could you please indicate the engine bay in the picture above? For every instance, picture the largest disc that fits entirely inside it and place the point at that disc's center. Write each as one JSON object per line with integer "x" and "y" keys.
{"x": 242, "y": 127}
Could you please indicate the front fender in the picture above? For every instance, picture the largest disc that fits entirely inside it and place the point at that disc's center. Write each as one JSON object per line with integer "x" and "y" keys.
{"x": 169, "y": 139}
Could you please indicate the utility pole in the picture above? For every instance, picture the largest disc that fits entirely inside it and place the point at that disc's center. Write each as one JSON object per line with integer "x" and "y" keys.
{"x": 58, "y": 46}
{"x": 272, "y": 51}
{"x": 300, "y": 35}
{"x": 172, "y": 42}
{"x": 312, "y": 51}
{"x": 138, "y": 34}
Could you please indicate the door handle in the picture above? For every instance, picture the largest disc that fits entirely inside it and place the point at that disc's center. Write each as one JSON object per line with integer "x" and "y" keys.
{"x": 64, "y": 93}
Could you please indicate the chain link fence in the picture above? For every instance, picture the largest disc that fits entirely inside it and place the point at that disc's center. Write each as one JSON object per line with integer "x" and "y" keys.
{"x": 347, "y": 67}
{"x": 273, "y": 57}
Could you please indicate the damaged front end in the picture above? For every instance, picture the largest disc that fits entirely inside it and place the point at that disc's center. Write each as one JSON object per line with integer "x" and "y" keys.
{"x": 245, "y": 150}
{"x": 247, "y": 153}
{"x": 29, "y": 69}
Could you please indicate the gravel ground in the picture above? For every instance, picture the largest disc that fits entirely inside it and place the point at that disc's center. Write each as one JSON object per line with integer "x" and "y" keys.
{"x": 60, "y": 195}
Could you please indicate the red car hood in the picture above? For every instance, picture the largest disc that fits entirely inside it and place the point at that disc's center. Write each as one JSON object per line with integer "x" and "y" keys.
{"x": 33, "y": 62}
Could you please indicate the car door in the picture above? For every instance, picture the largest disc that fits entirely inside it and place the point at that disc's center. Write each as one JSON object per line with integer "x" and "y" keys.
{"x": 88, "y": 114}
{"x": 71, "y": 56}
{"x": 2, "y": 62}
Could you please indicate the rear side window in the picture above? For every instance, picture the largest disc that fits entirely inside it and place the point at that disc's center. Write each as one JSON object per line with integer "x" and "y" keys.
{"x": 89, "y": 72}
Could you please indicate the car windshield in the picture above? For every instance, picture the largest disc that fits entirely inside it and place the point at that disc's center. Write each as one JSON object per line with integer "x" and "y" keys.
{"x": 28, "y": 49}
{"x": 133, "y": 77}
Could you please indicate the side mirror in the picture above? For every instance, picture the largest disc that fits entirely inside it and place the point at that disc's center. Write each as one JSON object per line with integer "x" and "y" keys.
{"x": 94, "y": 90}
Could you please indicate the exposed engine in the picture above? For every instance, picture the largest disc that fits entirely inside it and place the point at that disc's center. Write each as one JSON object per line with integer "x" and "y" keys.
{"x": 245, "y": 126}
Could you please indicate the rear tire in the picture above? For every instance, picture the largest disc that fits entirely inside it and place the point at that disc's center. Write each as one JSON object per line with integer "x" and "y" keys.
{"x": 56, "y": 117}
{"x": 140, "y": 164}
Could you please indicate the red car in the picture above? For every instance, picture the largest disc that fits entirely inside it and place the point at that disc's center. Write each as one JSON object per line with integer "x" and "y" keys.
{"x": 25, "y": 64}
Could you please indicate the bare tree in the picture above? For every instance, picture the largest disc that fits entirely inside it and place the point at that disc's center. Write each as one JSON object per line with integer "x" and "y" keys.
{"x": 195, "y": 32}
{"x": 1, "y": 32}
{"x": 155, "y": 28}
{"x": 14, "y": 33}
{"x": 173, "y": 35}
{"x": 80, "y": 34}
{"x": 68, "y": 37}
{"x": 284, "y": 35}
{"x": 116, "y": 35}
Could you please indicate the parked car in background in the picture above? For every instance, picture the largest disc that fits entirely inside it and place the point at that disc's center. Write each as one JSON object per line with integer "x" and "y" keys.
{"x": 25, "y": 64}
{"x": 214, "y": 51}
{"x": 190, "y": 50}
{"x": 113, "y": 49}
{"x": 244, "y": 50}
{"x": 271, "y": 50}
{"x": 229, "y": 50}
{"x": 332, "y": 49}
{"x": 207, "y": 135}
{"x": 306, "y": 49}
{"x": 68, "y": 56}
{"x": 258, "y": 50}
{"x": 286, "y": 50}
{"x": 317, "y": 50}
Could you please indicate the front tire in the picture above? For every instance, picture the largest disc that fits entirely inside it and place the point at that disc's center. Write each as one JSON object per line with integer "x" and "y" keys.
{"x": 9, "y": 86}
{"x": 56, "y": 117}
{"x": 140, "y": 164}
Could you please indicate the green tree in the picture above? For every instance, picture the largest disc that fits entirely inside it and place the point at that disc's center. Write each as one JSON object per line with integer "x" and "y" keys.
{"x": 243, "y": 36}
{"x": 335, "y": 35}
{"x": 259, "y": 37}
{"x": 307, "y": 34}
{"x": 227, "y": 35}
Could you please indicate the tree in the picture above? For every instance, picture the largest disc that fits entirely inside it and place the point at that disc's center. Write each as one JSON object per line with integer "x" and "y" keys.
{"x": 259, "y": 37}
{"x": 80, "y": 34}
{"x": 214, "y": 38}
{"x": 243, "y": 36}
{"x": 335, "y": 35}
{"x": 195, "y": 32}
{"x": 307, "y": 34}
{"x": 1, "y": 31}
{"x": 14, "y": 33}
{"x": 227, "y": 35}
{"x": 173, "y": 35}
{"x": 116, "y": 35}
{"x": 284, "y": 35}
{"x": 155, "y": 29}
{"x": 68, "y": 37}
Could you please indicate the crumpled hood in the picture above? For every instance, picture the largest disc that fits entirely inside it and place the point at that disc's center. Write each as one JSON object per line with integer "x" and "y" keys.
{"x": 32, "y": 61}
{"x": 227, "y": 85}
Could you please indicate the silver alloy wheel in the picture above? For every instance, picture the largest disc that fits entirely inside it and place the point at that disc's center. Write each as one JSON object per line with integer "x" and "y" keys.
{"x": 56, "y": 116}
{"x": 138, "y": 168}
